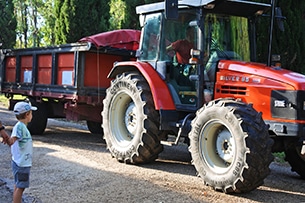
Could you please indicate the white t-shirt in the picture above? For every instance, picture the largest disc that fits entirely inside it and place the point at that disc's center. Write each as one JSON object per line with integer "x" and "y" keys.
{"x": 22, "y": 149}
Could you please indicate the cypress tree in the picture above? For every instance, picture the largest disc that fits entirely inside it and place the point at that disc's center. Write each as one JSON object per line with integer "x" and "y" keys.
{"x": 92, "y": 16}
{"x": 132, "y": 19}
{"x": 8, "y": 24}
{"x": 64, "y": 13}
{"x": 77, "y": 18}
{"x": 290, "y": 44}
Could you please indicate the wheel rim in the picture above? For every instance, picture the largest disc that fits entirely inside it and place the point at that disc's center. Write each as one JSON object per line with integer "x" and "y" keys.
{"x": 217, "y": 146}
{"x": 131, "y": 119}
{"x": 123, "y": 123}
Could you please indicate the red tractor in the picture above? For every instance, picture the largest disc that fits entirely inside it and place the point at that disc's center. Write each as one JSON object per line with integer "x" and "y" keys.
{"x": 231, "y": 111}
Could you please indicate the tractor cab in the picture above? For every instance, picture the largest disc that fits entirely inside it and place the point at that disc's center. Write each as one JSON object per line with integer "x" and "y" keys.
{"x": 186, "y": 50}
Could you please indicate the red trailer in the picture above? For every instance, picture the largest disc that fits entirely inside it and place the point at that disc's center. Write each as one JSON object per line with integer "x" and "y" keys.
{"x": 66, "y": 81}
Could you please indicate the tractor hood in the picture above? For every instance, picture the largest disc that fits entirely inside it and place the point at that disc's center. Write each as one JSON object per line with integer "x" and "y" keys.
{"x": 294, "y": 79}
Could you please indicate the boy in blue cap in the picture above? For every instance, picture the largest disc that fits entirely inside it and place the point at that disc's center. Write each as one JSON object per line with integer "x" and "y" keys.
{"x": 21, "y": 145}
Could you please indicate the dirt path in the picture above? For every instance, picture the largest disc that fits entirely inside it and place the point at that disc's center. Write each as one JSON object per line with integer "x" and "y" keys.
{"x": 72, "y": 165}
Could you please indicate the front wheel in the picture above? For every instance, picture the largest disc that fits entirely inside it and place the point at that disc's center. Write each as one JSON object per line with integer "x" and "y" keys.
{"x": 230, "y": 146}
{"x": 130, "y": 121}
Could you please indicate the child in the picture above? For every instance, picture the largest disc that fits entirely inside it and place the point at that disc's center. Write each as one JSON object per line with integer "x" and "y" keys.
{"x": 21, "y": 148}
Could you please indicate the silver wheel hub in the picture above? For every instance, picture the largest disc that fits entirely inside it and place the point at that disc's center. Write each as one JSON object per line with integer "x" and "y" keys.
{"x": 225, "y": 146}
{"x": 131, "y": 119}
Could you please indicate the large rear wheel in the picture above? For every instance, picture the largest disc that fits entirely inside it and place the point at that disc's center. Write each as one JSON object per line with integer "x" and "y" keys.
{"x": 130, "y": 121}
{"x": 230, "y": 146}
{"x": 95, "y": 127}
{"x": 294, "y": 156}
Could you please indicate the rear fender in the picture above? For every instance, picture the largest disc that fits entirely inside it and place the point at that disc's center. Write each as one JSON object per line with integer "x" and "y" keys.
{"x": 159, "y": 89}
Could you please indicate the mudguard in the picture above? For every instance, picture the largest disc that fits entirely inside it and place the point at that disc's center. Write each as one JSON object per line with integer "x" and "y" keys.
{"x": 159, "y": 89}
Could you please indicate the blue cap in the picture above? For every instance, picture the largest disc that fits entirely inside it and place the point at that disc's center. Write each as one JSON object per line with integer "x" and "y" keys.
{"x": 22, "y": 107}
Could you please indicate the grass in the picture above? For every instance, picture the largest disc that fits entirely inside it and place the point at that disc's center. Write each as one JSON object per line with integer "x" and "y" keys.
{"x": 5, "y": 101}
{"x": 279, "y": 157}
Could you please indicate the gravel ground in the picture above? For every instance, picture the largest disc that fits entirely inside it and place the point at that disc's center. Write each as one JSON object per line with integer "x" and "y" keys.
{"x": 72, "y": 165}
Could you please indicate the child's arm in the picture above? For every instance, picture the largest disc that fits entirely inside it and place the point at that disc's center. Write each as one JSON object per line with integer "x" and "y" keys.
{"x": 6, "y": 138}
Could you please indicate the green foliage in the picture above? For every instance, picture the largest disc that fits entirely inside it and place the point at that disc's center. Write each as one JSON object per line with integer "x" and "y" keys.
{"x": 117, "y": 14}
{"x": 290, "y": 44}
{"x": 63, "y": 12}
{"x": 30, "y": 19}
{"x": 123, "y": 13}
{"x": 77, "y": 18}
{"x": 8, "y": 24}
{"x": 240, "y": 35}
{"x": 46, "y": 31}
{"x": 279, "y": 157}
{"x": 22, "y": 14}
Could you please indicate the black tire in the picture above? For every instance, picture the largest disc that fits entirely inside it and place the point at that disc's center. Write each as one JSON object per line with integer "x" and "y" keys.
{"x": 130, "y": 121}
{"x": 230, "y": 146}
{"x": 95, "y": 127}
{"x": 40, "y": 118}
{"x": 294, "y": 157}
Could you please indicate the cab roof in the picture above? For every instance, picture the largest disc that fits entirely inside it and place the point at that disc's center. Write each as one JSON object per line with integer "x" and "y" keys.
{"x": 230, "y": 7}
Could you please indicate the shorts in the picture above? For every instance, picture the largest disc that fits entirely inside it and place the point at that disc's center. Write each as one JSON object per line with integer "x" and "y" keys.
{"x": 21, "y": 175}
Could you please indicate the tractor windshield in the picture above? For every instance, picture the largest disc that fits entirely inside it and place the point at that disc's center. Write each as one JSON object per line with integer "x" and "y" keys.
{"x": 172, "y": 40}
{"x": 150, "y": 38}
{"x": 227, "y": 34}
{"x": 226, "y": 38}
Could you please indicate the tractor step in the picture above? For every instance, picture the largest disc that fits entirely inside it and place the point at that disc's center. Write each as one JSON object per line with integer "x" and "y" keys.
{"x": 168, "y": 143}
{"x": 171, "y": 140}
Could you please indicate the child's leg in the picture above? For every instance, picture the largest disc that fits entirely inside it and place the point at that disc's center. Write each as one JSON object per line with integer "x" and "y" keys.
{"x": 17, "y": 196}
{"x": 21, "y": 177}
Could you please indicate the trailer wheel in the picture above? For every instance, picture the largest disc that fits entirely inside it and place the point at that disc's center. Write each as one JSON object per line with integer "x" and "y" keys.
{"x": 40, "y": 118}
{"x": 95, "y": 127}
{"x": 230, "y": 146}
{"x": 130, "y": 121}
{"x": 294, "y": 157}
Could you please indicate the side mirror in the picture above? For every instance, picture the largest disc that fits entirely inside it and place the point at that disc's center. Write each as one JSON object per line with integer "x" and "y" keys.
{"x": 171, "y": 9}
